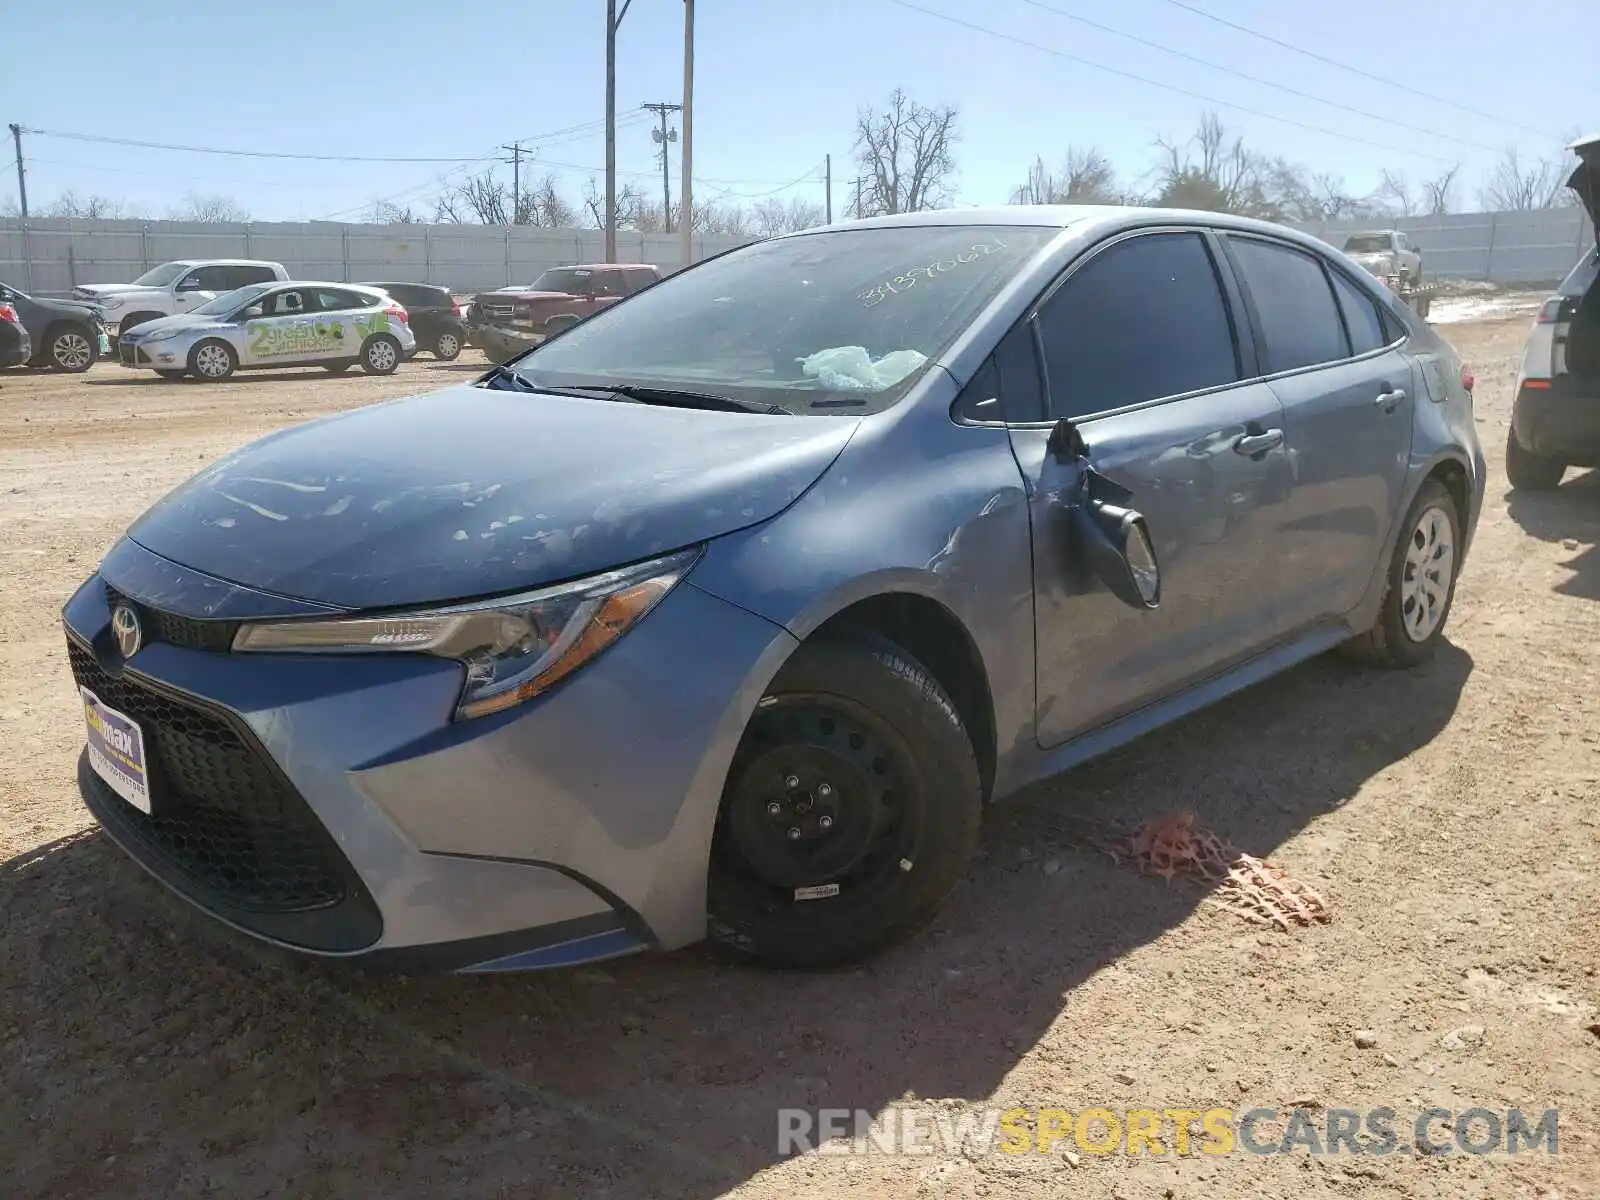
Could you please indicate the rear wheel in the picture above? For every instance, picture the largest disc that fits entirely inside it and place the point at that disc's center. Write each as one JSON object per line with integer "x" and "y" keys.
{"x": 447, "y": 346}
{"x": 213, "y": 360}
{"x": 850, "y": 812}
{"x": 1421, "y": 584}
{"x": 1528, "y": 471}
{"x": 380, "y": 355}
{"x": 72, "y": 350}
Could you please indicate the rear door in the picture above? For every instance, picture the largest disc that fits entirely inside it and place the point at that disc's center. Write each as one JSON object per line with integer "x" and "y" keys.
{"x": 1349, "y": 394}
{"x": 1142, "y": 351}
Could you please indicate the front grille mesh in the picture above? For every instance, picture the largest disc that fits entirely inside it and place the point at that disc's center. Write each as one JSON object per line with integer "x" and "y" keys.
{"x": 223, "y": 816}
{"x": 188, "y": 632}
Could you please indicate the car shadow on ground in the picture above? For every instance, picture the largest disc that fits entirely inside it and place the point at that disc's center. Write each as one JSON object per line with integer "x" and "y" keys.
{"x": 1569, "y": 514}
{"x": 156, "y": 1045}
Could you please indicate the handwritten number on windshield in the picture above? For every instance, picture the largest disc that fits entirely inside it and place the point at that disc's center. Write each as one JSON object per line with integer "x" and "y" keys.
{"x": 893, "y": 287}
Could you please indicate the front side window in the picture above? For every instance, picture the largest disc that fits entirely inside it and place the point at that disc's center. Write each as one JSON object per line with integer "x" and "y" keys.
{"x": 842, "y": 321}
{"x": 1142, "y": 319}
{"x": 1299, "y": 319}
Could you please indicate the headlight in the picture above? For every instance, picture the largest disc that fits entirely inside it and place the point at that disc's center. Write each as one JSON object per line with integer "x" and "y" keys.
{"x": 110, "y": 303}
{"x": 514, "y": 648}
{"x": 164, "y": 335}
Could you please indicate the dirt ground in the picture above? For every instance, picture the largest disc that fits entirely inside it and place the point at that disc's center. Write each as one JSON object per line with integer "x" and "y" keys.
{"x": 1447, "y": 815}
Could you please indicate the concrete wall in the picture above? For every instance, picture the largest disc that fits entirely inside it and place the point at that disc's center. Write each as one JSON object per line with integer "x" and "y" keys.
{"x": 52, "y": 255}
{"x": 1532, "y": 248}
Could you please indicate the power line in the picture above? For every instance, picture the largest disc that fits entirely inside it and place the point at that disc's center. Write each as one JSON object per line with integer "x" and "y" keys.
{"x": 1194, "y": 58}
{"x": 1343, "y": 66}
{"x": 795, "y": 182}
{"x": 1169, "y": 87}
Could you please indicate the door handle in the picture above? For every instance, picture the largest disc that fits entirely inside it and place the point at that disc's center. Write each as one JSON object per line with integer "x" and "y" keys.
{"x": 1389, "y": 400}
{"x": 1259, "y": 443}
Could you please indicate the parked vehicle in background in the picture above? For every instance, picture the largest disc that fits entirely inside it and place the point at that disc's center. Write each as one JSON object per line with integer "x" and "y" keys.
{"x": 437, "y": 321}
{"x": 298, "y": 324}
{"x": 1393, "y": 257}
{"x": 67, "y": 335}
{"x": 725, "y": 612}
{"x": 1555, "y": 413}
{"x": 16, "y": 348}
{"x": 175, "y": 287}
{"x": 505, "y": 323}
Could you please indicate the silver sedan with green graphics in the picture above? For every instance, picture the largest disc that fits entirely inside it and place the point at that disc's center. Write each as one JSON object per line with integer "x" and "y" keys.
{"x": 296, "y": 324}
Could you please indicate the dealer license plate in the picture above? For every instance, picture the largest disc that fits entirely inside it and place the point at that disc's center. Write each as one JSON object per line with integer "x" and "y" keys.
{"x": 116, "y": 751}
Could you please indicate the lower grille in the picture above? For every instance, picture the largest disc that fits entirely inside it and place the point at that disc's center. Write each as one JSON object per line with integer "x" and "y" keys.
{"x": 224, "y": 818}
{"x": 188, "y": 632}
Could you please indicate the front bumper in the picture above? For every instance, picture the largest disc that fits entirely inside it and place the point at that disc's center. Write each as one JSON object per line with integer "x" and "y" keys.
{"x": 499, "y": 344}
{"x": 361, "y": 822}
{"x": 1561, "y": 421}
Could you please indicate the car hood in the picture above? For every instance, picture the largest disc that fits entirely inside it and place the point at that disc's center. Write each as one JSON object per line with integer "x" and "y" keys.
{"x": 143, "y": 331}
{"x": 502, "y": 297}
{"x": 473, "y": 492}
{"x": 111, "y": 289}
{"x": 1585, "y": 180}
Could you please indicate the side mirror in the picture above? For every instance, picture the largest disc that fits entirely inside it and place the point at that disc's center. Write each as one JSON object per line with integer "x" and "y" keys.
{"x": 251, "y": 313}
{"x": 1117, "y": 546}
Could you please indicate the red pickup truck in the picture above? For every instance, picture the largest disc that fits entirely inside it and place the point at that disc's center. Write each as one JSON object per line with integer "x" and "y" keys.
{"x": 506, "y": 322}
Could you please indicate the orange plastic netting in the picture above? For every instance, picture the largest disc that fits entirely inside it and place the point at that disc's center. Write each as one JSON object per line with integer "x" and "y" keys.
{"x": 1259, "y": 891}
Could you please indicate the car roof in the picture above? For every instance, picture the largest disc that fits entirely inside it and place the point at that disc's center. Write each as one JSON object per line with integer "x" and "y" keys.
{"x": 607, "y": 267}
{"x": 289, "y": 284}
{"x": 225, "y": 262}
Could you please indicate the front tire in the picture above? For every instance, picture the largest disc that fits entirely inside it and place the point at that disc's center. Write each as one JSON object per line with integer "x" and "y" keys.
{"x": 70, "y": 350}
{"x": 849, "y": 813}
{"x": 213, "y": 361}
{"x": 447, "y": 346}
{"x": 380, "y": 355}
{"x": 1528, "y": 471}
{"x": 1421, "y": 584}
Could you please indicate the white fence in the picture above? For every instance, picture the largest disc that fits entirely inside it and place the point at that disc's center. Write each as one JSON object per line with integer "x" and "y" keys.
{"x": 1507, "y": 247}
{"x": 50, "y": 256}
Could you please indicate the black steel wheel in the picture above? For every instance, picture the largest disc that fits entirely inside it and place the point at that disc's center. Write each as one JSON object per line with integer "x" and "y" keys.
{"x": 850, "y": 811}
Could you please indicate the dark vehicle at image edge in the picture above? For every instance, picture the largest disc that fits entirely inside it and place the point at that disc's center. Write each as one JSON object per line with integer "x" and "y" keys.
{"x": 1555, "y": 416}
{"x": 435, "y": 317}
{"x": 724, "y": 613}
{"x": 67, "y": 335}
{"x": 15, "y": 346}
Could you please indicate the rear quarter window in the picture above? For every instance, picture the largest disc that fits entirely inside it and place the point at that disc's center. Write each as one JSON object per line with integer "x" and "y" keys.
{"x": 1362, "y": 316}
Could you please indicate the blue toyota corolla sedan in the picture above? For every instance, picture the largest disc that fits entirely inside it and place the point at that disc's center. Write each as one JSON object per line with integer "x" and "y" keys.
{"x": 723, "y": 613}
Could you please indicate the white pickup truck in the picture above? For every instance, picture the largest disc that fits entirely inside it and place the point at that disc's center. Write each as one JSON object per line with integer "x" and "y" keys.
{"x": 175, "y": 287}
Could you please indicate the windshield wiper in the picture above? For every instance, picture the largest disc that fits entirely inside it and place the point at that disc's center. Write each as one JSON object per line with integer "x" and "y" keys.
{"x": 501, "y": 375}
{"x": 682, "y": 398}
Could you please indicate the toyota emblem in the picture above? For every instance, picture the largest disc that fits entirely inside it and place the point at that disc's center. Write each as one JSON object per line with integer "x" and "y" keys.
{"x": 125, "y": 625}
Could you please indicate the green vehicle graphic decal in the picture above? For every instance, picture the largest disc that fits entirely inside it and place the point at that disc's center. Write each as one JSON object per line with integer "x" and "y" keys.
{"x": 277, "y": 341}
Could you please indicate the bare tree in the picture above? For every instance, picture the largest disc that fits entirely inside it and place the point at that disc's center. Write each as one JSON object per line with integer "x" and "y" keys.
{"x": 1086, "y": 177}
{"x": 1397, "y": 195}
{"x": 770, "y": 217}
{"x": 544, "y": 205}
{"x": 385, "y": 212}
{"x": 1519, "y": 185}
{"x": 211, "y": 208}
{"x": 70, "y": 204}
{"x": 1212, "y": 170}
{"x": 905, "y": 155}
{"x": 1438, "y": 193}
{"x": 1291, "y": 192}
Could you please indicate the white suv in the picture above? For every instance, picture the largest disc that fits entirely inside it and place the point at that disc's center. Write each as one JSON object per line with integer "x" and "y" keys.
{"x": 175, "y": 287}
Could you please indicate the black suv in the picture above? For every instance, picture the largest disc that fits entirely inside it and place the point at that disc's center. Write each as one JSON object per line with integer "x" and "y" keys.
{"x": 66, "y": 334}
{"x": 436, "y": 318}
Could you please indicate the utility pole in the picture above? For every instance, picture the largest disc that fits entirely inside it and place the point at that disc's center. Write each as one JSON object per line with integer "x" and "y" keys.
{"x": 686, "y": 224}
{"x": 661, "y": 137}
{"x": 22, "y": 176}
{"x": 827, "y": 169}
{"x": 859, "y": 181}
{"x": 613, "y": 20}
{"x": 516, "y": 181}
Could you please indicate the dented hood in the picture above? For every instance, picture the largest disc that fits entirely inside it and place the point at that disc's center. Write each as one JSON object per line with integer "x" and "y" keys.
{"x": 1585, "y": 180}
{"x": 471, "y": 492}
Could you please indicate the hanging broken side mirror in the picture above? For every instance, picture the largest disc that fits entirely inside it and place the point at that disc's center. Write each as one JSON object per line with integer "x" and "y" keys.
{"x": 1115, "y": 541}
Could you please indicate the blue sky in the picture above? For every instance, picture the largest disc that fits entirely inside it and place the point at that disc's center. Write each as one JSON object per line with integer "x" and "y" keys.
{"x": 778, "y": 84}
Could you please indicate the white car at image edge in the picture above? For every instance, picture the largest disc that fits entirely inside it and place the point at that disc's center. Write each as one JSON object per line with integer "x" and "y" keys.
{"x": 268, "y": 325}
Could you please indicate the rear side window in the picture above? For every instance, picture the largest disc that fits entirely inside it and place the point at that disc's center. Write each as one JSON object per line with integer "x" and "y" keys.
{"x": 211, "y": 279}
{"x": 1299, "y": 320}
{"x": 338, "y": 300}
{"x": 1144, "y": 318}
{"x": 244, "y": 275}
{"x": 1361, "y": 316}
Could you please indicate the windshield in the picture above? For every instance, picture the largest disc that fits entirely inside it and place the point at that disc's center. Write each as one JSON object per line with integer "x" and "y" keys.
{"x": 1367, "y": 243}
{"x": 842, "y": 321}
{"x": 573, "y": 280}
{"x": 161, "y": 276}
{"x": 224, "y": 304}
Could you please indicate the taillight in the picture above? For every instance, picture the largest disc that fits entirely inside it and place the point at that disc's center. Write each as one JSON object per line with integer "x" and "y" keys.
{"x": 7, "y": 313}
{"x": 1467, "y": 378}
{"x": 399, "y": 314}
{"x": 1549, "y": 311}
